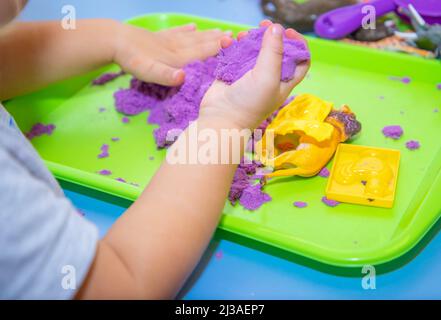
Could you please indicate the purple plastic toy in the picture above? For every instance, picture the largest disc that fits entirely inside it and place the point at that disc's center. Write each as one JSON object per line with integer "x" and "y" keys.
{"x": 339, "y": 23}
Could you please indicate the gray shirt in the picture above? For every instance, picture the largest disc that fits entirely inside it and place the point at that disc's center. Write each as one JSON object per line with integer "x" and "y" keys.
{"x": 46, "y": 246}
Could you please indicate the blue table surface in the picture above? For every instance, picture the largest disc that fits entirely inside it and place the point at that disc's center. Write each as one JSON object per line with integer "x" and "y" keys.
{"x": 229, "y": 270}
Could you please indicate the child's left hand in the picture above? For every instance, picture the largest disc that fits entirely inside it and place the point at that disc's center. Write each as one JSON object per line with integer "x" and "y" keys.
{"x": 159, "y": 56}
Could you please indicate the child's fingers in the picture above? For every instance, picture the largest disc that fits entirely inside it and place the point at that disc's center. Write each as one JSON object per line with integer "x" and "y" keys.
{"x": 293, "y": 34}
{"x": 157, "y": 72}
{"x": 185, "y": 28}
{"x": 241, "y": 35}
{"x": 265, "y": 23}
{"x": 201, "y": 51}
{"x": 299, "y": 75}
{"x": 195, "y": 38}
{"x": 226, "y": 42}
{"x": 269, "y": 61}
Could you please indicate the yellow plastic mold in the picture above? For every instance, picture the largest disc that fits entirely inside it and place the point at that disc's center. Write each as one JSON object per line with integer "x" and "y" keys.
{"x": 364, "y": 175}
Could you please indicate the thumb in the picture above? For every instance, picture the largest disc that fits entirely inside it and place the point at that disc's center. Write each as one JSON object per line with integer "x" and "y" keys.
{"x": 269, "y": 61}
{"x": 158, "y": 72}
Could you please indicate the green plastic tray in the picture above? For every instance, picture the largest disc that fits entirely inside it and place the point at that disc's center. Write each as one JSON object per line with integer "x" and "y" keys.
{"x": 347, "y": 235}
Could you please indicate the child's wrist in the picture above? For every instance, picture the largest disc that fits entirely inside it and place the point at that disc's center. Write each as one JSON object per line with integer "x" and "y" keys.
{"x": 222, "y": 120}
{"x": 115, "y": 33}
{"x": 229, "y": 119}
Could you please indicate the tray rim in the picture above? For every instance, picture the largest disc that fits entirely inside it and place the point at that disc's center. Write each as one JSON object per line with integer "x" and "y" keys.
{"x": 396, "y": 248}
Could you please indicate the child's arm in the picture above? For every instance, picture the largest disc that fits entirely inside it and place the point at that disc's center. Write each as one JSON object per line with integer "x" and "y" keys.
{"x": 154, "y": 246}
{"x": 35, "y": 54}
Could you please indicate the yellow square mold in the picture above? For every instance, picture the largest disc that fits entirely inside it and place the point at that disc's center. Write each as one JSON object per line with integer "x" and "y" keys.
{"x": 364, "y": 175}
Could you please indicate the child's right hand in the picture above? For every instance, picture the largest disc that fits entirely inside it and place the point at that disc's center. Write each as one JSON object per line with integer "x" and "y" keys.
{"x": 251, "y": 99}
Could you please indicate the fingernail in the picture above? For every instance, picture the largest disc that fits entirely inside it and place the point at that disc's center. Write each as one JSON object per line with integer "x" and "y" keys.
{"x": 228, "y": 33}
{"x": 226, "y": 41}
{"x": 191, "y": 26}
{"x": 241, "y": 34}
{"x": 177, "y": 74}
{"x": 292, "y": 34}
{"x": 277, "y": 29}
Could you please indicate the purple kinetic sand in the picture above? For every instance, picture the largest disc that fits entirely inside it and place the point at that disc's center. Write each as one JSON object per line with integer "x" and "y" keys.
{"x": 253, "y": 198}
{"x": 219, "y": 255}
{"x": 438, "y": 86}
{"x": 105, "y": 172}
{"x": 329, "y": 202}
{"x": 300, "y": 204}
{"x": 413, "y": 145}
{"x": 115, "y": 139}
{"x": 125, "y": 120}
{"x": 243, "y": 178}
{"x": 107, "y": 77}
{"x": 40, "y": 129}
{"x": 104, "y": 151}
{"x": 405, "y": 80}
{"x": 131, "y": 102}
{"x": 241, "y": 57}
{"x": 121, "y": 180}
{"x": 174, "y": 108}
{"x": 394, "y": 132}
{"x": 324, "y": 173}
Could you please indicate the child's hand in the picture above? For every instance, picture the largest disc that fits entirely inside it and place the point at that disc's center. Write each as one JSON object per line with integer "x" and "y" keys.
{"x": 159, "y": 56}
{"x": 247, "y": 102}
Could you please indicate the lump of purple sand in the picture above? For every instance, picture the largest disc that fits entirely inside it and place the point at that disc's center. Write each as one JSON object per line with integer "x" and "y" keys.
{"x": 40, "y": 129}
{"x": 243, "y": 178}
{"x": 241, "y": 57}
{"x": 412, "y": 145}
{"x": 329, "y": 202}
{"x": 181, "y": 106}
{"x": 104, "y": 151}
{"x": 219, "y": 255}
{"x": 300, "y": 204}
{"x": 438, "y": 86}
{"x": 132, "y": 102}
{"x": 394, "y": 132}
{"x": 405, "y": 80}
{"x": 324, "y": 173}
{"x": 125, "y": 120}
{"x": 105, "y": 172}
{"x": 240, "y": 182}
{"x": 107, "y": 77}
{"x": 115, "y": 139}
{"x": 121, "y": 180}
{"x": 253, "y": 198}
